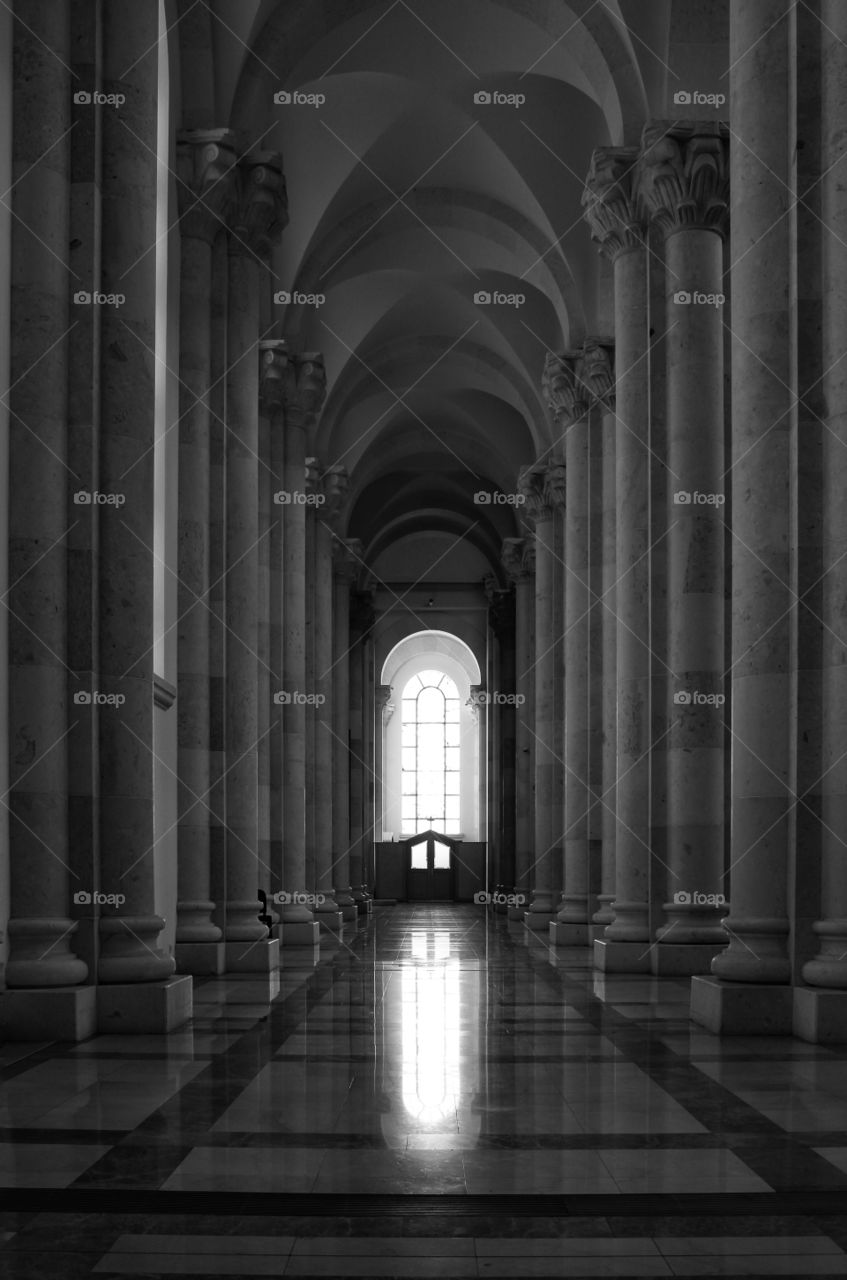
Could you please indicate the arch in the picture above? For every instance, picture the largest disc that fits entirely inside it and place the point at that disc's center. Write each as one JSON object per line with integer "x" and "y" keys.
{"x": 426, "y": 644}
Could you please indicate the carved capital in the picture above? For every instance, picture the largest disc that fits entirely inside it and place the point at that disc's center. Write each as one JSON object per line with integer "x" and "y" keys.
{"x": 554, "y": 484}
{"x": 308, "y": 387}
{"x": 528, "y": 557}
{"x": 610, "y": 203}
{"x": 314, "y": 480}
{"x": 542, "y": 486}
{"x": 564, "y": 393}
{"x": 336, "y": 485}
{"x": 511, "y": 558}
{"x": 684, "y": 174}
{"x": 597, "y": 372}
{"x": 262, "y": 211}
{"x": 275, "y": 374}
{"x": 384, "y": 705}
{"x": 207, "y": 184}
{"x": 347, "y": 559}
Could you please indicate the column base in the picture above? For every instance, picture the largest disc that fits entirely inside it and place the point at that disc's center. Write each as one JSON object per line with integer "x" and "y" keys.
{"x": 516, "y": 913}
{"x": 68, "y": 1014}
{"x": 144, "y": 1008}
{"x": 683, "y": 959}
{"x": 596, "y": 933}
{"x": 331, "y": 921}
{"x": 537, "y": 923}
{"x": 349, "y": 913}
{"x": 820, "y": 1017}
{"x": 301, "y": 935}
{"x": 252, "y": 957}
{"x": 200, "y": 958}
{"x": 621, "y": 957}
{"x": 741, "y": 1008}
{"x": 568, "y": 935}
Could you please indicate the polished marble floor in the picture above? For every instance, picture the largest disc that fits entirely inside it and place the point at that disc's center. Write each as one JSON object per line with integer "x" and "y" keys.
{"x": 437, "y": 1094}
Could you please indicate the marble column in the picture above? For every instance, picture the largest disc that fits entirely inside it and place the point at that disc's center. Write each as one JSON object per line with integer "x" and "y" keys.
{"x": 518, "y": 559}
{"x": 346, "y": 563}
{"x": 749, "y": 988}
{"x": 328, "y": 911}
{"x": 569, "y": 404}
{"x": 39, "y": 516}
{"x": 305, "y": 392}
{"x": 541, "y": 486}
{"x": 257, "y": 222}
{"x": 685, "y": 186}
{"x": 206, "y": 185}
{"x": 616, "y": 222}
{"x": 598, "y": 376}
{"x": 129, "y": 934}
{"x": 820, "y": 1015}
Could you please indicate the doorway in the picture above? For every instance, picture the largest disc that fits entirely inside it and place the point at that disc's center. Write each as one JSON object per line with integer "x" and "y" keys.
{"x": 429, "y": 858}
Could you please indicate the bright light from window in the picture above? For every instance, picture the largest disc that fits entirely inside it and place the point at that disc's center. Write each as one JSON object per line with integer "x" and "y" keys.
{"x": 430, "y": 753}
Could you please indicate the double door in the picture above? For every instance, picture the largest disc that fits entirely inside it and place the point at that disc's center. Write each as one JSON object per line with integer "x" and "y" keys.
{"x": 429, "y": 867}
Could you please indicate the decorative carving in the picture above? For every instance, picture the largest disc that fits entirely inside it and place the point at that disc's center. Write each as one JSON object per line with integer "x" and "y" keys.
{"x": 596, "y": 372}
{"x": 262, "y": 212}
{"x": 610, "y": 203}
{"x": 555, "y": 484}
{"x": 314, "y": 479}
{"x": 207, "y": 186}
{"x": 528, "y": 558}
{"x": 382, "y": 696}
{"x": 531, "y": 485}
{"x": 336, "y": 485}
{"x": 683, "y": 174}
{"x": 347, "y": 559}
{"x": 275, "y": 374}
{"x": 564, "y": 393}
{"x": 308, "y": 387}
{"x": 511, "y": 558}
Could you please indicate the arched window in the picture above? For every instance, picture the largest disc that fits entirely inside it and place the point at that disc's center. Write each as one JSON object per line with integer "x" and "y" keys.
{"x": 431, "y": 750}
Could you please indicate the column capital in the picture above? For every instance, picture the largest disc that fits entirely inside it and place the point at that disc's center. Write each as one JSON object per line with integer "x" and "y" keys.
{"x": 336, "y": 483}
{"x": 511, "y": 558}
{"x": 207, "y": 184}
{"x": 543, "y": 488}
{"x": 565, "y": 395}
{"x": 597, "y": 370}
{"x": 314, "y": 480}
{"x": 528, "y": 556}
{"x": 683, "y": 174}
{"x": 610, "y": 201}
{"x": 261, "y": 214}
{"x": 275, "y": 374}
{"x": 382, "y": 698}
{"x": 347, "y": 559}
{"x": 308, "y": 388}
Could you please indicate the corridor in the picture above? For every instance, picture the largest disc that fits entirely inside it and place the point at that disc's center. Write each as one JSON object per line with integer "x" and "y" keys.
{"x": 548, "y": 1120}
